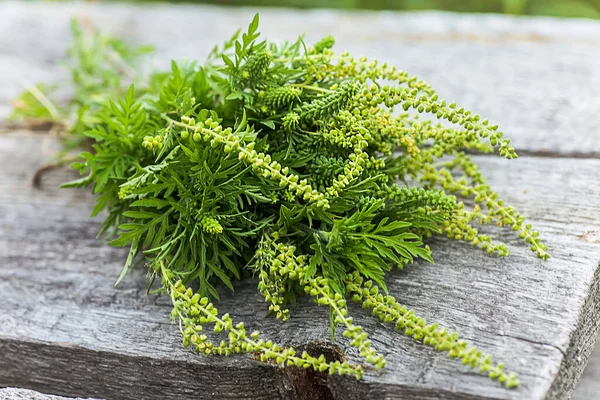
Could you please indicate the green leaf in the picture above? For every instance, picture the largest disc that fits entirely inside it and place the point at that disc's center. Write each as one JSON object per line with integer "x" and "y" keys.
{"x": 235, "y": 96}
{"x": 157, "y": 203}
{"x": 241, "y": 125}
{"x": 228, "y": 62}
{"x": 132, "y": 253}
{"x": 100, "y": 204}
{"x": 253, "y": 25}
{"x": 78, "y": 182}
{"x": 268, "y": 123}
{"x": 124, "y": 239}
{"x": 140, "y": 214}
{"x": 222, "y": 276}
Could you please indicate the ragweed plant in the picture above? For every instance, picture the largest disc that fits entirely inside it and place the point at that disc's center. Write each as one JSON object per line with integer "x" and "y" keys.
{"x": 283, "y": 162}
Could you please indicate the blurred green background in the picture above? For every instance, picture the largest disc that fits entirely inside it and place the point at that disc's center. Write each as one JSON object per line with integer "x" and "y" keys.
{"x": 561, "y": 8}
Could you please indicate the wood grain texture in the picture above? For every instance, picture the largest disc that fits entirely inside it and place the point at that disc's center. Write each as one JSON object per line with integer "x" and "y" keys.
{"x": 64, "y": 328}
{"x": 536, "y": 77}
{"x": 24, "y": 394}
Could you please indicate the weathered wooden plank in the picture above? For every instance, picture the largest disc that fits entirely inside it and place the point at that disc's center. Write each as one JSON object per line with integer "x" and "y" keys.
{"x": 589, "y": 385}
{"x": 536, "y": 77}
{"x": 24, "y": 394}
{"x": 525, "y": 49}
{"x": 63, "y": 326}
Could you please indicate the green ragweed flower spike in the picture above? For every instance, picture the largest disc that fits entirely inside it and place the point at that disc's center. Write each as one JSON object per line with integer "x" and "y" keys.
{"x": 211, "y": 225}
{"x": 281, "y": 162}
{"x": 282, "y": 97}
{"x": 337, "y": 100}
{"x": 256, "y": 66}
{"x": 324, "y": 44}
{"x": 290, "y": 121}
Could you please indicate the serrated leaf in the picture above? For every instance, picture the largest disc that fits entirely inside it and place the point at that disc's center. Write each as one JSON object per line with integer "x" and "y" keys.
{"x": 222, "y": 276}
{"x": 228, "y": 62}
{"x": 124, "y": 239}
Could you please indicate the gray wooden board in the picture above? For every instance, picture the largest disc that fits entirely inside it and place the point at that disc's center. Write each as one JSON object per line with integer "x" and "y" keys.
{"x": 65, "y": 329}
{"x": 25, "y": 394}
{"x": 589, "y": 385}
{"x": 537, "y": 77}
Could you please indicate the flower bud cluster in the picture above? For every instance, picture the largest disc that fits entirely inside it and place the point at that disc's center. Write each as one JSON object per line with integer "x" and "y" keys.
{"x": 459, "y": 227}
{"x": 364, "y": 70}
{"x": 290, "y": 121}
{"x": 313, "y": 62}
{"x": 270, "y": 284}
{"x": 153, "y": 142}
{"x": 320, "y": 289}
{"x": 282, "y": 96}
{"x": 348, "y": 67}
{"x": 281, "y": 259}
{"x": 273, "y": 292}
{"x": 327, "y": 106}
{"x": 211, "y": 225}
{"x": 413, "y": 98}
{"x": 458, "y": 115}
{"x": 196, "y": 312}
{"x": 502, "y": 214}
{"x": 125, "y": 191}
{"x": 389, "y": 133}
{"x": 352, "y": 170}
{"x": 261, "y": 163}
{"x": 387, "y": 309}
{"x": 324, "y": 44}
{"x": 364, "y": 202}
{"x": 264, "y": 166}
{"x": 255, "y": 67}
{"x": 417, "y": 197}
{"x": 286, "y": 264}
{"x": 347, "y": 131}
{"x": 449, "y": 141}
{"x": 416, "y": 94}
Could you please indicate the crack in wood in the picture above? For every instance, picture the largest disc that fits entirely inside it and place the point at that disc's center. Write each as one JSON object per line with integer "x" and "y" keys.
{"x": 308, "y": 384}
{"x": 563, "y": 352}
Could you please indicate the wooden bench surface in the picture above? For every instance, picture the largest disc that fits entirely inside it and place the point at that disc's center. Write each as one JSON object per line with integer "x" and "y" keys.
{"x": 64, "y": 328}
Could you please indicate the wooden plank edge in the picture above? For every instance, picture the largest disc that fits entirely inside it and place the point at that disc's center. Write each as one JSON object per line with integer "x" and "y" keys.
{"x": 581, "y": 345}
{"x": 124, "y": 376}
{"x": 106, "y": 374}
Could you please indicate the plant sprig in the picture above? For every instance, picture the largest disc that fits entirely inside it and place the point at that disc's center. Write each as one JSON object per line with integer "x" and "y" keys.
{"x": 281, "y": 161}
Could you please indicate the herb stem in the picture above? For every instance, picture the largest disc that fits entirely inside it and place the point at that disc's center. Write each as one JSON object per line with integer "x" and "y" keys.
{"x": 43, "y": 99}
{"x": 311, "y": 87}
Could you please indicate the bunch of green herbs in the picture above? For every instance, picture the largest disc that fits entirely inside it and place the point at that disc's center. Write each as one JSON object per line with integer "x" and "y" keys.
{"x": 312, "y": 171}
